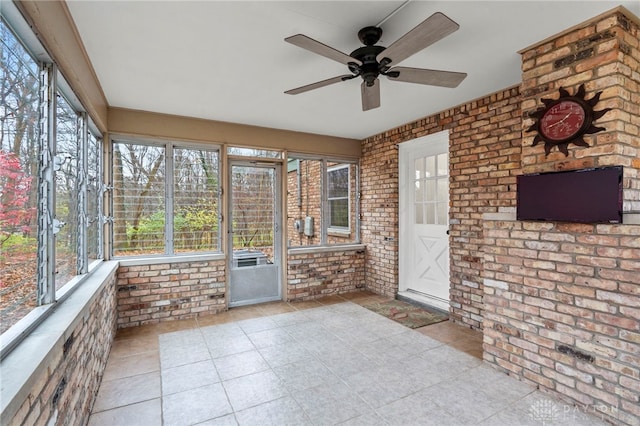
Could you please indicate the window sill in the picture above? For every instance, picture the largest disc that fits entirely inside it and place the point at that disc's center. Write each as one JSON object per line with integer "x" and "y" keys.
{"x": 137, "y": 261}
{"x": 325, "y": 249}
{"x": 336, "y": 232}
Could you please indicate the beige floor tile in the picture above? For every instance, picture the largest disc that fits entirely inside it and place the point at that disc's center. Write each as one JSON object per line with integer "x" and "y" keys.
{"x": 307, "y": 304}
{"x": 126, "y": 391}
{"x": 155, "y": 329}
{"x": 275, "y": 308}
{"x": 280, "y": 384}
{"x": 123, "y": 347}
{"x": 215, "y": 319}
{"x": 331, "y": 300}
{"x": 145, "y": 413}
{"x": 126, "y": 366}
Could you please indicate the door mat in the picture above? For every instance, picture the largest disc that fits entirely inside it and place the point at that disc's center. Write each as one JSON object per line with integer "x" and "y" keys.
{"x": 407, "y": 314}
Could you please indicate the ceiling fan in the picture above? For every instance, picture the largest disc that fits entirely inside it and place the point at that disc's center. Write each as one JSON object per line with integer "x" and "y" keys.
{"x": 371, "y": 61}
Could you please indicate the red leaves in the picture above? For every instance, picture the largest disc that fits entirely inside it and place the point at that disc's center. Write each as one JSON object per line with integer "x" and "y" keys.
{"x": 15, "y": 187}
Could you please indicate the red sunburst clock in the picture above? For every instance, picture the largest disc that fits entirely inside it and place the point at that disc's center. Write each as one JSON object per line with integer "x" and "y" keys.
{"x": 566, "y": 120}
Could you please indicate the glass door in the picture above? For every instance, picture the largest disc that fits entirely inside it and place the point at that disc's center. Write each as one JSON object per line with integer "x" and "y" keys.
{"x": 254, "y": 233}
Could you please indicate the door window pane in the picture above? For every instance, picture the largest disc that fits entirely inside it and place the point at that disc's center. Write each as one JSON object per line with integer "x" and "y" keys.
{"x": 443, "y": 164}
{"x": 443, "y": 188}
{"x": 443, "y": 214}
{"x": 419, "y": 214}
{"x": 431, "y": 166}
{"x": 419, "y": 165}
{"x": 430, "y": 213}
{"x": 253, "y": 210}
{"x": 431, "y": 190}
{"x": 419, "y": 194}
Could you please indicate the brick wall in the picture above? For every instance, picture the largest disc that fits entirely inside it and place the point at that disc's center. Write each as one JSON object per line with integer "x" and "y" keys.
{"x": 149, "y": 294}
{"x": 63, "y": 391}
{"x": 484, "y": 156}
{"x": 316, "y": 274}
{"x": 303, "y": 202}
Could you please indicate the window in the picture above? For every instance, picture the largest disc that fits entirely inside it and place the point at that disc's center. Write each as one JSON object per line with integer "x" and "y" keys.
{"x": 338, "y": 196}
{"x": 165, "y": 199}
{"x": 322, "y": 202}
{"x": 18, "y": 179}
{"x": 46, "y": 205}
{"x": 94, "y": 197}
{"x": 196, "y": 200}
{"x": 253, "y": 152}
{"x": 67, "y": 185}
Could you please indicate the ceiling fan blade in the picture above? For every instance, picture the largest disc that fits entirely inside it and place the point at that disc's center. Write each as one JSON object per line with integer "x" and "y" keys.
{"x": 370, "y": 95}
{"x": 319, "y": 84}
{"x": 432, "y": 29}
{"x": 315, "y": 46}
{"x": 424, "y": 76}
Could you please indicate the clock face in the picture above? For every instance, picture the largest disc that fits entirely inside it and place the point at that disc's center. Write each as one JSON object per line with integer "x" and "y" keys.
{"x": 562, "y": 121}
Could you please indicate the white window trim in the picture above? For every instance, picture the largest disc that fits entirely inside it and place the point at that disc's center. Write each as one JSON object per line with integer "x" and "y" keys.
{"x": 339, "y": 230}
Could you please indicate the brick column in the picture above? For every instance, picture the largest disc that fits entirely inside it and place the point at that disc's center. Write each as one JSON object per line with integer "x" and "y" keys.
{"x": 562, "y": 308}
{"x": 604, "y": 55}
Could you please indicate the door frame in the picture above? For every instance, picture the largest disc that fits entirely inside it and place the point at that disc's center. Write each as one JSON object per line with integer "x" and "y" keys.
{"x": 438, "y": 141}
{"x": 279, "y": 255}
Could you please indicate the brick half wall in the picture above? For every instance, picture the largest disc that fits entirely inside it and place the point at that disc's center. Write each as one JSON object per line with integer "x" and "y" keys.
{"x": 317, "y": 273}
{"x": 148, "y": 294}
{"x": 562, "y": 310}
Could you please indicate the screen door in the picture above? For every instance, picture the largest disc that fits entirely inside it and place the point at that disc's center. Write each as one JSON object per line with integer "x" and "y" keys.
{"x": 254, "y": 233}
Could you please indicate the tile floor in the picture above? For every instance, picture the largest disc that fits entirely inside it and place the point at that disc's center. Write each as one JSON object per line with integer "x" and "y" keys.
{"x": 312, "y": 363}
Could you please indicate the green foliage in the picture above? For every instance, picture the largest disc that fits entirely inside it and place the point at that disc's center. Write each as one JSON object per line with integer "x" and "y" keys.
{"x": 195, "y": 227}
{"x": 16, "y": 244}
{"x": 150, "y": 232}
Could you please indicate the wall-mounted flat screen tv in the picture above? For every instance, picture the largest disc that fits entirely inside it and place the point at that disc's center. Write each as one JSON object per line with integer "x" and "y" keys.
{"x": 583, "y": 196}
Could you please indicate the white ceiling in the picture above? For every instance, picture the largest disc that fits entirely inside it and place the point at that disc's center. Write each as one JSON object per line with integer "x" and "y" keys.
{"x": 227, "y": 61}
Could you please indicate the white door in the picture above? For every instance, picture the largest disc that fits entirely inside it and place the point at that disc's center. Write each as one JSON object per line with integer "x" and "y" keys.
{"x": 424, "y": 220}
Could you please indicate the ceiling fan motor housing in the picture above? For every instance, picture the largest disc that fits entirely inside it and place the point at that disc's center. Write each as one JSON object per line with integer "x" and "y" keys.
{"x": 370, "y": 68}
